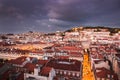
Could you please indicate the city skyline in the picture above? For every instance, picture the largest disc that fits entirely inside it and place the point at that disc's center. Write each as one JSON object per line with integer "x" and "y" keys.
{"x": 52, "y": 15}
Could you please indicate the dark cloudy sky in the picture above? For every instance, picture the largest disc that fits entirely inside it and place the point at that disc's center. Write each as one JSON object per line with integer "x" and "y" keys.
{"x": 52, "y": 15}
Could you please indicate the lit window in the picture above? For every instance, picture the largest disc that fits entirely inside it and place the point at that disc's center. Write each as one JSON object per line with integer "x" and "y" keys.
{"x": 108, "y": 76}
{"x": 64, "y": 72}
{"x": 73, "y": 74}
{"x": 103, "y": 78}
{"x": 98, "y": 78}
{"x": 69, "y": 73}
{"x": 77, "y": 74}
{"x": 60, "y": 72}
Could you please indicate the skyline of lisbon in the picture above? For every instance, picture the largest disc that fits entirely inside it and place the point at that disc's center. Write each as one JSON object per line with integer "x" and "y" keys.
{"x": 78, "y": 54}
{"x": 56, "y": 15}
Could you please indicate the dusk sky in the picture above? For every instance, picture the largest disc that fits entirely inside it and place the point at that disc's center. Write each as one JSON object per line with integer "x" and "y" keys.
{"x": 18, "y": 16}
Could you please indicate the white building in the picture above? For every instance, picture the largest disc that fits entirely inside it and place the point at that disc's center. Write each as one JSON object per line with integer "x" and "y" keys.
{"x": 47, "y": 73}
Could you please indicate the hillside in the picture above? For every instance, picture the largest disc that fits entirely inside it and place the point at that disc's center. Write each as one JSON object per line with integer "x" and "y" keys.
{"x": 95, "y": 29}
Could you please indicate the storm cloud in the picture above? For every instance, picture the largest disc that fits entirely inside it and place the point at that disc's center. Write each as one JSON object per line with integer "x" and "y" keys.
{"x": 52, "y": 15}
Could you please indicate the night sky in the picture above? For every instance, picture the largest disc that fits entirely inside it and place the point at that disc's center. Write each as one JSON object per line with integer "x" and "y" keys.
{"x": 18, "y": 16}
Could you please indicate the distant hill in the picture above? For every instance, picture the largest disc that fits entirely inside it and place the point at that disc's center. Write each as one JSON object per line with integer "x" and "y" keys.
{"x": 96, "y": 29}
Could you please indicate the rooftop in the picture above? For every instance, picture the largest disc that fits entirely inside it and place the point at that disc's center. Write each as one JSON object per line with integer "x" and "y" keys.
{"x": 30, "y": 66}
{"x": 18, "y": 61}
{"x": 45, "y": 71}
{"x": 104, "y": 73}
{"x": 65, "y": 64}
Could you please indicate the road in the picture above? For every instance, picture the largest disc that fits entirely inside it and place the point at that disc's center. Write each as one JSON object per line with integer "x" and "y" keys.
{"x": 88, "y": 74}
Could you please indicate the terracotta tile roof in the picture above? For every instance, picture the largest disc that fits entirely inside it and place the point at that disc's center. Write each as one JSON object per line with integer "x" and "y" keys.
{"x": 49, "y": 51}
{"x": 57, "y": 50}
{"x": 43, "y": 43}
{"x": 94, "y": 52}
{"x": 18, "y": 61}
{"x": 105, "y": 72}
{"x": 30, "y": 66}
{"x": 38, "y": 52}
{"x": 100, "y": 56}
{"x": 98, "y": 61}
{"x": 75, "y": 54}
{"x": 42, "y": 62}
{"x": 45, "y": 71}
{"x": 101, "y": 47}
{"x": 65, "y": 64}
{"x": 47, "y": 47}
{"x": 70, "y": 48}
{"x": 56, "y": 45}
{"x": 38, "y": 42}
{"x": 62, "y": 57}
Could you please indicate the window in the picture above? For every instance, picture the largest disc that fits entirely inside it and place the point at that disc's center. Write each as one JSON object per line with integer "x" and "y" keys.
{"x": 112, "y": 76}
{"x": 69, "y": 73}
{"x": 77, "y": 74}
{"x": 57, "y": 72}
{"x": 108, "y": 76}
{"x": 60, "y": 72}
{"x": 64, "y": 72}
{"x": 73, "y": 74}
{"x": 103, "y": 78}
{"x": 98, "y": 78}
